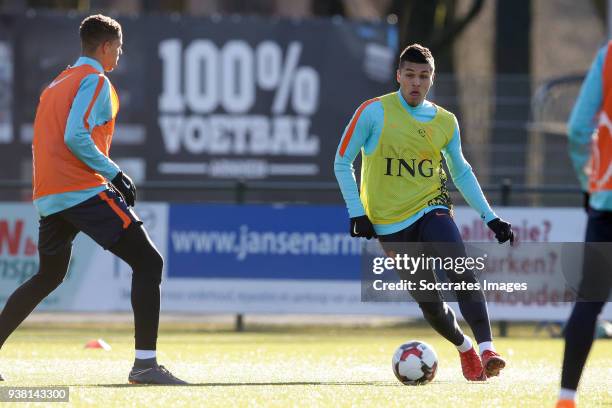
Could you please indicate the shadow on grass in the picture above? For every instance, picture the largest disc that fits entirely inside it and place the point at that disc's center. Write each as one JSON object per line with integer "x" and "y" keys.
{"x": 258, "y": 384}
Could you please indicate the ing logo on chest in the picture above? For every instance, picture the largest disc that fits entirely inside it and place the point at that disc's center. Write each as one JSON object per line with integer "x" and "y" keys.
{"x": 409, "y": 167}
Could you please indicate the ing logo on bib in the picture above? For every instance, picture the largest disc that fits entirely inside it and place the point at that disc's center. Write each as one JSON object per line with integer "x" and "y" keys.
{"x": 410, "y": 167}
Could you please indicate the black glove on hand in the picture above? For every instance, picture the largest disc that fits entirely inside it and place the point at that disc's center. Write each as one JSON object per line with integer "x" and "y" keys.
{"x": 362, "y": 227}
{"x": 125, "y": 186}
{"x": 585, "y": 200}
{"x": 502, "y": 229}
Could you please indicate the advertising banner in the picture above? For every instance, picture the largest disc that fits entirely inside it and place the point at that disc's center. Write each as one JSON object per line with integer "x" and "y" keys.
{"x": 19, "y": 258}
{"x": 530, "y": 225}
{"x": 96, "y": 280}
{"x": 261, "y": 259}
{"x": 261, "y": 242}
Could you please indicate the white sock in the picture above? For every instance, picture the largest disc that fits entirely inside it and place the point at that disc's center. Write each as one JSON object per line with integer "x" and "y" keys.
{"x": 466, "y": 345}
{"x": 485, "y": 345}
{"x": 567, "y": 394}
{"x": 145, "y": 354}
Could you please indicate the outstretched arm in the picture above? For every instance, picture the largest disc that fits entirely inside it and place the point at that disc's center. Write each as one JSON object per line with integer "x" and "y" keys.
{"x": 464, "y": 178}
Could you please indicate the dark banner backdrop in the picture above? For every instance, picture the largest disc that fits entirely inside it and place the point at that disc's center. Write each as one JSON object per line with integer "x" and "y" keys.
{"x": 208, "y": 99}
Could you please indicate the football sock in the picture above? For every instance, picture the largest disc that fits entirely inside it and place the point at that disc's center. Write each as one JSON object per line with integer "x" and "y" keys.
{"x": 486, "y": 345}
{"x": 466, "y": 345}
{"x": 567, "y": 394}
{"x": 145, "y": 354}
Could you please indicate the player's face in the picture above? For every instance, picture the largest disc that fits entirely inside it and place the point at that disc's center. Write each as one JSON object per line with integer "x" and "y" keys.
{"x": 111, "y": 51}
{"x": 414, "y": 80}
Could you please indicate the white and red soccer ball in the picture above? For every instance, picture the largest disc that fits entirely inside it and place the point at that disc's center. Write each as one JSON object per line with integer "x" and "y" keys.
{"x": 415, "y": 363}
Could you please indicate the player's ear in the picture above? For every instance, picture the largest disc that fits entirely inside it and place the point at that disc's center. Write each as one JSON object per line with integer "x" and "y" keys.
{"x": 106, "y": 45}
{"x": 397, "y": 76}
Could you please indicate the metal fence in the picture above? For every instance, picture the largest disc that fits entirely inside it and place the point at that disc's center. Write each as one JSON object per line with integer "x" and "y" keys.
{"x": 513, "y": 135}
{"x": 240, "y": 192}
{"x": 513, "y": 128}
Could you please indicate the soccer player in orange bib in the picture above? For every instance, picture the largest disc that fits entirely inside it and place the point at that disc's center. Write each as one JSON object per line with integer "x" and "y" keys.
{"x": 590, "y": 148}
{"x": 78, "y": 188}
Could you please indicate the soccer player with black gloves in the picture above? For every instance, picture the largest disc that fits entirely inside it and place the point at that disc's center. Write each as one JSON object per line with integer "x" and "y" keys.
{"x": 73, "y": 130}
{"x": 401, "y": 137}
{"x": 125, "y": 186}
{"x": 362, "y": 227}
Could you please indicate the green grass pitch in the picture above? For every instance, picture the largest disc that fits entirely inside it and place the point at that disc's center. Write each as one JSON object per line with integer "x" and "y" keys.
{"x": 290, "y": 366}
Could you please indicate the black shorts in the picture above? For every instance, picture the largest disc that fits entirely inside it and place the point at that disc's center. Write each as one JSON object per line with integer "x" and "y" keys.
{"x": 104, "y": 217}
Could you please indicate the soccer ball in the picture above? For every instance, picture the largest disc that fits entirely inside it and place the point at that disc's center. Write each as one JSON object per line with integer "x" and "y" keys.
{"x": 415, "y": 363}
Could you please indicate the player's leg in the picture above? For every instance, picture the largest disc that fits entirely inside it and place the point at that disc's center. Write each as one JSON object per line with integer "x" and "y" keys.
{"x": 54, "y": 245}
{"x": 137, "y": 250}
{"x": 436, "y": 312}
{"x": 439, "y": 228}
{"x": 109, "y": 222}
{"x": 579, "y": 335}
{"x": 26, "y": 297}
{"x": 593, "y": 293}
{"x": 442, "y": 318}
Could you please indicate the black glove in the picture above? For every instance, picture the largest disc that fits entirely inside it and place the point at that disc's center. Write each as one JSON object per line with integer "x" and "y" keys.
{"x": 585, "y": 200}
{"x": 362, "y": 227}
{"x": 502, "y": 229}
{"x": 125, "y": 186}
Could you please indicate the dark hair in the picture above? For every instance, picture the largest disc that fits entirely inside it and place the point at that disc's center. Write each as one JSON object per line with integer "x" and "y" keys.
{"x": 418, "y": 54}
{"x": 96, "y": 30}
